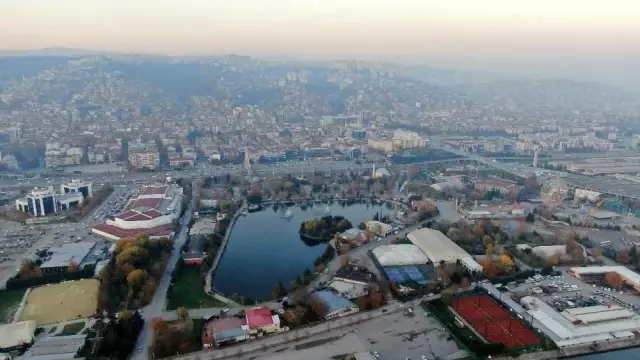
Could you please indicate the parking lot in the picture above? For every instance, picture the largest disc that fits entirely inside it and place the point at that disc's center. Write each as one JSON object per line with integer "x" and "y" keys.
{"x": 399, "y": 335}
{"x": 564, "y": 291}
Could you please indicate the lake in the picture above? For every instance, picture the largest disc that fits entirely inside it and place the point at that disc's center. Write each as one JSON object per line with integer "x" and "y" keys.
{"x": 265, "y": 247}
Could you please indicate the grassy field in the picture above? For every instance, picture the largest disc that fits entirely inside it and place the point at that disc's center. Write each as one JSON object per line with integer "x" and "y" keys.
{"x": 9, "y": 302}
{"x": 188, "y": 291}
{"x": 61, "y": 302}
{"x": 71, "y": 328}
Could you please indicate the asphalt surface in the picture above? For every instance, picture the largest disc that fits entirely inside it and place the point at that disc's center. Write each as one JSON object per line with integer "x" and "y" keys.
{"x": 156, "y": 307}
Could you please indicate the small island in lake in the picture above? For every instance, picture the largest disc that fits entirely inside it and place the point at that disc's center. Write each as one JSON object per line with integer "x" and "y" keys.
{"x": 322, "y": 229}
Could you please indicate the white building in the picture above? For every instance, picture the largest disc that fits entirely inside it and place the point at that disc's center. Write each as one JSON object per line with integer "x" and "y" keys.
{"x": 39, "y": 202}
{"x": 439, "y": 248}
{"x": 399, "y": 254}
{"x": 77, "y": 186}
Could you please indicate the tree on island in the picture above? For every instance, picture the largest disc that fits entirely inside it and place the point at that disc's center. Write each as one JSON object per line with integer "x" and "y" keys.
{"x": 278, "y": 290}
{"x": 325, "y": 227}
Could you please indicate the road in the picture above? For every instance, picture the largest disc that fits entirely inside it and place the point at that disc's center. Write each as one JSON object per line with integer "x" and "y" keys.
{"x": 156, "y": 307}
{"x": 295, "y": 168}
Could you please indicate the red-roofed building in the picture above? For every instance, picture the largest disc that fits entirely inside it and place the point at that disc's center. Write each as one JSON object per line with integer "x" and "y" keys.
{"x": 151, "y": 213}
{"x": 113, "y": 232}
{"x": 262, "y": 320}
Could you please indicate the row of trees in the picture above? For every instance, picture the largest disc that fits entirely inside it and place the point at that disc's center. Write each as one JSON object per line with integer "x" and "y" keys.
{"x": 325, "y": 227}
{"x": 131, "y": 275}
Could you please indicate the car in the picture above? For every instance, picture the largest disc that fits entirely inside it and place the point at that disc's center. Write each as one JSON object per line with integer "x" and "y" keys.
{"x": 424, "y": 357}
{"x": 375, "y": 354}
{"x": 140, "y": 349}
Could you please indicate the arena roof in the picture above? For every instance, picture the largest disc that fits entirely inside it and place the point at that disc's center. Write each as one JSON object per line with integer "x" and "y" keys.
{"x": 63, "y": 255}
{"x": 16, "y": 334}
{"x": 399, "y": 254}
{"x": 436, "y": 245}
{"x": 55, "y": 348}
{"x": 154, "y": 190}
{"x": 160, "y": 231}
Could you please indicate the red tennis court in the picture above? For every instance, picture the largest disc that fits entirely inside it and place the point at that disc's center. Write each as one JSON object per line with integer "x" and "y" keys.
{"x": 493, "y": 321}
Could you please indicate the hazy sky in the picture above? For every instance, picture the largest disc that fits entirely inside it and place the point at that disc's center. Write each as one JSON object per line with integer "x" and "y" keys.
{"x": 443, "y": 31}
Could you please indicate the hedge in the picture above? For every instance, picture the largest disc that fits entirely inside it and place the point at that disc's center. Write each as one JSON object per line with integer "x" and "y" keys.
{"x": 86, "y": 273}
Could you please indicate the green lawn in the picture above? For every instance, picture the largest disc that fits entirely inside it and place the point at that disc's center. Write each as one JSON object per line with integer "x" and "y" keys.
{"x": 188, "y": 291}
{"x": 71, "y": 329}
{"x": 9, "y": 302}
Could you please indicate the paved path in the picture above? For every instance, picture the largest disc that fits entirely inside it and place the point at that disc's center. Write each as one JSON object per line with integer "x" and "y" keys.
{"x": 208, "y": 279}
{"x": 156, "y": 307}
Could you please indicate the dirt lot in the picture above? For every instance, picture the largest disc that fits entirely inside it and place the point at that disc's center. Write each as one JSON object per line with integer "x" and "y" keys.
{"x": 61, "y": 302}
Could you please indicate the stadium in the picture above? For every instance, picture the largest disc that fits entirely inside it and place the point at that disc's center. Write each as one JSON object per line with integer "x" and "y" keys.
{"x": 152, "y": 213}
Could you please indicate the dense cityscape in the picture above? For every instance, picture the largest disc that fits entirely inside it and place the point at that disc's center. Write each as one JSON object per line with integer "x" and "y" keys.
{"x": 234, "y": 207}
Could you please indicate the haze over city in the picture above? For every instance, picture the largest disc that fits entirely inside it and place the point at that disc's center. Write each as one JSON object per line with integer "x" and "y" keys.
{"x": 553, "y": 37}
{"x": 319, "y": 180}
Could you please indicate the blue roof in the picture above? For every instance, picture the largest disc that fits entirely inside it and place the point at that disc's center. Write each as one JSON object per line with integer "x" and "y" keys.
{"x": 334, "y": 302}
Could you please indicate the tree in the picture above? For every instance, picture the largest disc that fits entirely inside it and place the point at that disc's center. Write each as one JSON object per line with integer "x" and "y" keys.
{"x": 375, "y": 298}
{"x": 362, "y": 302}
{"x": 158, "y": 325}
{"x": 183, "y": 313}
{"x": 124, "y": 315}
{"x": 531, "y": 218}
{"x": 137, "y": 278}
{"x": 490, "y": 268}
{"x": 362, "y": 226}
{"x": 614, "y": 279}
{"x": 506, "y": 263}
{"x": 278, "y": 290}
{"x": 490, "y": 250}
{"x": 73, "y": 267}
{"x": 465, "y": 283}
{"x": 486, "y": 240}
{"x": 344, "y": 261}
{"x": 446, "y": 296}
{"x": 554, "y": 259}
{"x": 622, "y": 257}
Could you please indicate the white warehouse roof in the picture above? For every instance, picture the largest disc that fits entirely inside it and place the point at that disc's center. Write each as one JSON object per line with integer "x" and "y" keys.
{"x": 438, "y": 247}
{"x": 16, "y": 334}
{"x": 400, "y": 254}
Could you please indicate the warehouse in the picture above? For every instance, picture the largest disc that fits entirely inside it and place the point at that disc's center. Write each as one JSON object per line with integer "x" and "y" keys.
{"x": 400, "y": 254}
{"x": 439, "y": 248}
{"x": 16, "y": 335}
{"x": 582, "y": 326}
{"x": 597, "y": 274}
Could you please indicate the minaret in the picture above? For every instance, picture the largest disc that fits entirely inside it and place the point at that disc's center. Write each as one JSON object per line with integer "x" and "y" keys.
{"x": 373, "y": 171}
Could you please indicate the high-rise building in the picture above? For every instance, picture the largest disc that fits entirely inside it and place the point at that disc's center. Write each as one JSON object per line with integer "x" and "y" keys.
{"x": 39, "y": 202}
{"x": 77, "y": 186}
{"x": 144, "y": 159}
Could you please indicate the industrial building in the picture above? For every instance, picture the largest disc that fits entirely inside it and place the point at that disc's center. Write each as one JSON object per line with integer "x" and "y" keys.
{"x": 77, "y": 186}
{"x": 439, "y": 248}
{"x": 151, "y": 213}
{"x": 582, "y": 326}
{"x": 56, "y": 348}
{"x": 16, "y": 335}
{"x": 597, "y": 274}
{"x": 229, "y": 330}
{"x": 335, "y": 305}
{"x": 82, "y": 253}
{"x": 39, "y": 202}
{"x": 399, "y": 254}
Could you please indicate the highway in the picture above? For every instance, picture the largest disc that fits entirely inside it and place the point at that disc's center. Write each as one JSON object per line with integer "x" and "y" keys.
{"x": 156, "y": 307}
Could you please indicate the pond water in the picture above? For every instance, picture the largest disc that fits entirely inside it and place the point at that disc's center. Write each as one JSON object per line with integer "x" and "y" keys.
{"x": 265, "y": 247}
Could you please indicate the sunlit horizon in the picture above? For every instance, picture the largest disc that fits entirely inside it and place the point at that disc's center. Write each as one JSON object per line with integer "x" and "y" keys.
{"x": 486, "y": 34}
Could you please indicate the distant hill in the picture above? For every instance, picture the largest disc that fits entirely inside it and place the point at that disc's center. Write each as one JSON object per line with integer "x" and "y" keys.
{"x": 550, "y": 94}
{"x": 15, "y": 67}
